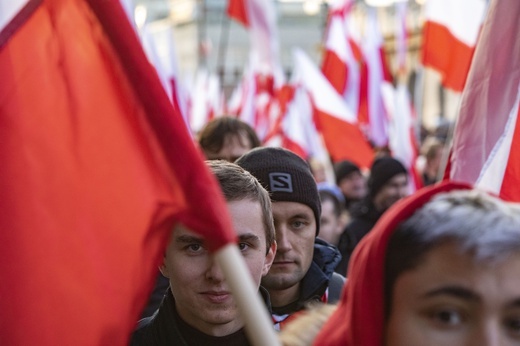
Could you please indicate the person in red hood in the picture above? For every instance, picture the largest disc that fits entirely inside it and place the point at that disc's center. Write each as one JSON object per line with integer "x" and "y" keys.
{"x": 440, "y": 268}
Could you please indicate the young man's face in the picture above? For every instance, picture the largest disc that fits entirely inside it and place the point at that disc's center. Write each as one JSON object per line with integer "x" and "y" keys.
{"x": 202, "y": 297}
{"x": 394, "y": 189}
{"x": 353, "y": 186}
{"x": 449, "y": 300}
{"x": 295, "y": 226}
{"x": 331, "y": 225}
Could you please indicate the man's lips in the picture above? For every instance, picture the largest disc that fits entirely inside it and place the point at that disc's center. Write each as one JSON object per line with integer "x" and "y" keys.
{"x": 283, "y": 263}
{"x": 216, "y": 296}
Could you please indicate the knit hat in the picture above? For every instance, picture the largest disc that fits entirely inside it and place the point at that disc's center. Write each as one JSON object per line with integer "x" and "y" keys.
{"x": 343, "y": 169}
{"x": 383, "y": 169}
{"x": 285, "y": 175}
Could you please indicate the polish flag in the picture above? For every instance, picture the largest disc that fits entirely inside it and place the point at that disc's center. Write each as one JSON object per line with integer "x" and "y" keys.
{"x": 336, "y": 122}
{"x": 449, "y": 37}
{"x": 487, "y": 133}
{"x": 97, "y": 168}
{"x": 372, "y": 114}
{"x": 340, "y": 64}
{"x": 259, "y": 17}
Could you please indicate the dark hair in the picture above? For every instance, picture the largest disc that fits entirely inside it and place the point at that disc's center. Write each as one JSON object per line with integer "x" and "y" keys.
{"x": 238, "y": 184}
{"x": 211, "y": 138}
{"x": 483, "y": 226}
{"x": 326, "y": 195}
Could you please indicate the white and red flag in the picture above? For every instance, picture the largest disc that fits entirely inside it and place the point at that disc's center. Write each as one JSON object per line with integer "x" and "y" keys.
{"x": 97, "y": 167}
{"x": 486, "y": 140}
{"x": 341, "y": 64}
{"x": 372, "y": 113}
{"x": 336, "y": 122}
{"x": 259, "y": 17}
{"x": 449, "y": 37}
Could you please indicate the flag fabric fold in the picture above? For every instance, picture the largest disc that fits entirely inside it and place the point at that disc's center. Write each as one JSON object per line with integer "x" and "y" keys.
{"x": 485, "y": 140}
{"x": 97, "y": 168}
{"x": 336, "y": 122}
{"x": 449, "y": 38}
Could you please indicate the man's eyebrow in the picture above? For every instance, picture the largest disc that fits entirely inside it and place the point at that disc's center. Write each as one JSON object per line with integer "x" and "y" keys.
{"x": 189, "y": 239}
{"x": 248, "y": 237}
{"x": 302, "y": 216}
{"x": 454, "y": 291}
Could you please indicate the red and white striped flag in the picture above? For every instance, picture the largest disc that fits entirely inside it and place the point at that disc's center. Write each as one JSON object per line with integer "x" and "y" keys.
{"x": 96, "y": 169}
{"x": 449, "y": 37}
{"x": 336, "y": 122}
{"x": 486, "y": 140}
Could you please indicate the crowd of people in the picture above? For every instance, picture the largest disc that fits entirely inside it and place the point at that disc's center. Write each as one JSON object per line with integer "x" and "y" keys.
{"x": 358, "y": 261}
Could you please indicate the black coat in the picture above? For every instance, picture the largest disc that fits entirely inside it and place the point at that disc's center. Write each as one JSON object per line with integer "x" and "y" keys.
{"x": 364, "y": 217}
{"x": 166, "y": 328}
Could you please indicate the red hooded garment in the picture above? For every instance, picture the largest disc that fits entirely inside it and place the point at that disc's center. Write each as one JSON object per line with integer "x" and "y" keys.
{"x": 359, "y": 319}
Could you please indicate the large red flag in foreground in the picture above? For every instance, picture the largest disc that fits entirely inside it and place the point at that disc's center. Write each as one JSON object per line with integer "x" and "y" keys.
{"x": 449, "y": 35}
{"x": 486, "y": 139}
{"x": 96, "y": 168}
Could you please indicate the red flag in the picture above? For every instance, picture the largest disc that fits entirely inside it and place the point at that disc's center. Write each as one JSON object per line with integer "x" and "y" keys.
{"x": 96, "y": 168}
{"x": 237, "y": 9}
{"x": 449, "y": 35}
{"x": 487, "y": 134}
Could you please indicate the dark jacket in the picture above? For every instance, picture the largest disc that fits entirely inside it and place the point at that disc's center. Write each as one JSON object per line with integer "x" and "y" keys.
{"x": 364, "y": 217}
{"x": 315, "y": 283}
{"x": 166, "y": 328}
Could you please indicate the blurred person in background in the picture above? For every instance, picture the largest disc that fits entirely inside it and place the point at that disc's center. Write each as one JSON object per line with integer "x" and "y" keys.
{"x": 387, "y": 183}
{"x": 227, "y": 138}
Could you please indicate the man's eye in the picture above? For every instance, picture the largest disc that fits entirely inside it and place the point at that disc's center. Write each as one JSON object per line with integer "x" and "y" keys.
{"x": 243, "y": 246}
{"x": 298, "y": 224}
{"x": 447, "y": 317}
{"x": 194, "y": 247}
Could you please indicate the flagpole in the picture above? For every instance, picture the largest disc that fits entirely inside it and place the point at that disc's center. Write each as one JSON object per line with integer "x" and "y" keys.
{"x": 258, "y": 322}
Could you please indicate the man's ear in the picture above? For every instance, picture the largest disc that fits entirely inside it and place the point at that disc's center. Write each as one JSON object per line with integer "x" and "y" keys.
{"x": 269, "y": 258}
{"x": 164, "y": 268}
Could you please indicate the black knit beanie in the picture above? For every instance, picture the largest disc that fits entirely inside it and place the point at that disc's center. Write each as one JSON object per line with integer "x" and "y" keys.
{"x": 285, "y": 175}
{"x": 343, "y": 169}
{"x": 383, "y": 169}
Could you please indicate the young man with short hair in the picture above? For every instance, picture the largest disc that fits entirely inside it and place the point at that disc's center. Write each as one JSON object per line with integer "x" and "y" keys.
{"x": 303, "y": 268}
{"x": 199, "y": 309}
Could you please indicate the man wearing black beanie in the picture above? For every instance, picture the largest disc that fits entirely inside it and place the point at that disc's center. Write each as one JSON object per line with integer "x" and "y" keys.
{"x": 387, "y": 183}
{"x": 351, "y": 181}
{"x": 303, "y": 268}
